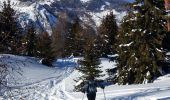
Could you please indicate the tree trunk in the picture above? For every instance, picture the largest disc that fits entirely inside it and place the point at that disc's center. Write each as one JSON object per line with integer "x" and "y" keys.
{"x": 167, "y": 7}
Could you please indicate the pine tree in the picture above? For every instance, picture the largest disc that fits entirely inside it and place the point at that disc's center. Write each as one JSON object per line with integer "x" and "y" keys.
{"x": 1, "y": 35}
{"x": 166, "y": 41}
{"x": 79, "y": 38}
{"x": 71, "y": 40}
{"x": 108, "y": 30}
{"x": 89, "y": 66}
{"x": 44, "y": 49}
{"x": 140, "y": 43}
{"x": 9, "y": 29}
{"x": 31, "y": 40}
{"x": 67, "y": 39}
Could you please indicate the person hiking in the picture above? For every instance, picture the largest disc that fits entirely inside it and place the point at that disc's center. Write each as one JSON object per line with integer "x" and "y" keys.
{"x": 90, "y": 88}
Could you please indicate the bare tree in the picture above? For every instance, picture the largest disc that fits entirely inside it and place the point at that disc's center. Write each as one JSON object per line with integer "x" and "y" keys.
{"x": 59, "y": 34}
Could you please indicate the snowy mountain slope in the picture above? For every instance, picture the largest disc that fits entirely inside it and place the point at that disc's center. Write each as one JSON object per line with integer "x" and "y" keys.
{"x": 44, "y": 12}
{"x": 38, "y": 82}
{"x": 35, "y": 12}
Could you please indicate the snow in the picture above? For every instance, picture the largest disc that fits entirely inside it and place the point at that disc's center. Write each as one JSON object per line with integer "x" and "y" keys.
{"x": 48, "y": 2}
{"x": 136, "y": 92}
{"x": 107, "y": 3}
{"x": 34, "y": 11}
{"x": 168, "y": 53}
{"x": 134, "y": 30}
{"x": 31, "y": 77}
{"x": 84, "y": 1}
{"x": 126, "y": 45}
{"x": 39, "y": 82}
{"x": 44, "y": 12}
{"x": 97, "y": 17}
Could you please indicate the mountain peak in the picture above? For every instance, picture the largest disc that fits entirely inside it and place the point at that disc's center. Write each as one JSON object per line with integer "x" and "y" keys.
{"x": 44, "y": 12}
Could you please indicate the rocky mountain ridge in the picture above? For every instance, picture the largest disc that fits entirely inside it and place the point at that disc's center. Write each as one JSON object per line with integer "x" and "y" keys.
{"x": 45, "y": 12}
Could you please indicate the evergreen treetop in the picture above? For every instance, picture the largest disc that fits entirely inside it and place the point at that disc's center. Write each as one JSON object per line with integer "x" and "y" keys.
{"x": 89, "y": 65}
{"x": 31, "y": 40}
{"x": 10, "y": 31}
{"x": 140, "y": 43}
{"x": 72, "y": 41}
{"x": 108, "y": 31}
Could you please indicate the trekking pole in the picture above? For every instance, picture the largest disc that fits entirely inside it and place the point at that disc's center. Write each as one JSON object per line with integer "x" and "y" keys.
{"x": 104, "y": 94}
{"x": 83, "y": 96}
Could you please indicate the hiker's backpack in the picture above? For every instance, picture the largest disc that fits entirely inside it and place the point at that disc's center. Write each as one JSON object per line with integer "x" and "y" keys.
{"x": 91, "y": 87}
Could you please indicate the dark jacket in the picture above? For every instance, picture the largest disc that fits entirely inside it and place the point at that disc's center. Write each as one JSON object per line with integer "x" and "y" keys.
{"x": 91, "y": 86}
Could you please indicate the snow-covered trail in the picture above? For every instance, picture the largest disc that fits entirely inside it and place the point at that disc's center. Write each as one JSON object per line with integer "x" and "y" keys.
{"x": 138, "y": 93}
{"x": 159, "y": 90}
{"x": 30, "y": 80}
{"x": 156, "y": 91}
{"x": 46, "y": 89}
{"x": 121, "y": 93}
